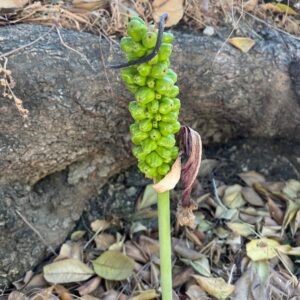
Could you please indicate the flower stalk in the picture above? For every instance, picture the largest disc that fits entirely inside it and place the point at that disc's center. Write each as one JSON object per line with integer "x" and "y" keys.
{"x": 164, "y": 228}
{"x": 155, "y": 113}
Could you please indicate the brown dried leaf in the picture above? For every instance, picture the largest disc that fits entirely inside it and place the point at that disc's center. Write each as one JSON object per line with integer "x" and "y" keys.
{"x": 275, "y": 212}
{"x": 193, "y": 236}
{"x": 242, "y": 229}
{"x": 233, "y": 197}
{"x": 69, "y": 250}
{"x": 90, "y": 4}
{"x": 19, "y": 284}
{"x": 290, "y": 214}
{"x": 186, "y": 252}
{"x": 13, "y": 4}
{"x": 191, "y": 145}
{"x": 215, "y": 287}
{"x": 89, "y": 297}
{"x": 244, "y": 285}
{"x": 62, "y": 292}
{"x": 104, "y": 241}
{"x": 113, "y": 295}
{"x": 279, "y": 8}
{"x": 262, "y": 249}
{"x": 242, "y": 43}
{"x": 182, "y": 277}
{"x": 195, "y": 293}
{"x": 68, "y": 270}
{"x": 89, "y": 286}
{"x": 100, "y": 225}
{"x": 146, "y": 295}
{"x": 134, "y": 252}
{"x": 295, "y": 225}
{"x": 174, "y": 8}
{"x": 15, "y": 295}
{"x": 292, "y": 189}
{"x": 170, "y": 180}
{"x": 252, "y": 197}
{"x": 154, "y": 275}
{"x": 77, "y": 235}
{"x": 149, "y": 246}
{"x": 143, "y": 273}
{"x": 250, "y": 5}
{"x": 149, "y": 198}
{"x": 252, "y": 177}
{"x": 45, "y": 294}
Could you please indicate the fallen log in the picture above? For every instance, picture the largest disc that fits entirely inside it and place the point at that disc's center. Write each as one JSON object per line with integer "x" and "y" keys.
{"x": 76, "y": 134}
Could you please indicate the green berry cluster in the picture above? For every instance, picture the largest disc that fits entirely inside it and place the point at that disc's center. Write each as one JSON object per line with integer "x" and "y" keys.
{"x": 156, "y": 108}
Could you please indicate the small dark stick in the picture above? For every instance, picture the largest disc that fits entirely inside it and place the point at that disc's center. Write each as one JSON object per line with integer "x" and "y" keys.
{"x": 141, "y": 60}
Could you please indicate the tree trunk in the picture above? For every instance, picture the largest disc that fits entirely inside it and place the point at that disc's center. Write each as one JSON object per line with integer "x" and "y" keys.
{"x": 76, "y": 135}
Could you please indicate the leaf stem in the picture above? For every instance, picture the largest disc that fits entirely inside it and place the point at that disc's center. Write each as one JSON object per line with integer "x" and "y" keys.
{"x": 164, "y": 229}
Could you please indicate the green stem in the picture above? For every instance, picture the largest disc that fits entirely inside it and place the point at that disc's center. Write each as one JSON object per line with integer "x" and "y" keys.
{"x": 165, "y": 244}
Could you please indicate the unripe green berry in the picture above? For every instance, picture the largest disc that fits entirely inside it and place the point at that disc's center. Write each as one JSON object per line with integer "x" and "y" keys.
{"x": 159, "y": 70}
{"x": 173, "y": 91}
{"x": 167, "y": 141}
{"x": 166, "y": 105}
{"x": 136, "y": 30}
{"x": 127, "y": 75}
{"x": 164, "y": 152}
{"x": 164, "y": 85}
{"x": 171, "y": 74}
{"x": 137, "y": 151}
{"x": 164, "y": 51}
{"x": 176, "y": 104}
{"x": 154, "y": 134}
{"x": 144, "y": 69}
{"x": 145, "y": 125}
{"x": 149, "y": 39}
{"x": 170, "y": 117}
{"x": 132, "y": 88}
{"x": 155, "y": 110}
{"x": 154, "y": 160}
{"x": 138, "y": 113}
{"x": 144, "y": 95}
{"x": 148, "y": 145}
{"x": 139, "y": 80}
{"x": 151, "y": 83}
{"x": 163, "y": 169}
{"x": 168, "y": 37}
{"x": 153, "y": 107}
{"x": 138, "y": 137}
{"x": 137, "y": 18}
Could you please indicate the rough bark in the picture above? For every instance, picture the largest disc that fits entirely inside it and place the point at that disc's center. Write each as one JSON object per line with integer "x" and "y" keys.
{"x": 76, "y": 135}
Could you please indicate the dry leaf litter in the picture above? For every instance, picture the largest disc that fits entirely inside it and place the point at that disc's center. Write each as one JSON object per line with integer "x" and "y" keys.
{"x": 245, "y": 244}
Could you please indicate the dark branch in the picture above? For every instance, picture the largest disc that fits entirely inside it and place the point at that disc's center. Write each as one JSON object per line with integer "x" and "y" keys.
{"x": 153, "y": 53}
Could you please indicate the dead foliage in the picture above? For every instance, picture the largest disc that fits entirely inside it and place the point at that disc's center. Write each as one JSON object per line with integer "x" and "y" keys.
{"x": 243, "y": 246}
{"x": 111, "y": 17}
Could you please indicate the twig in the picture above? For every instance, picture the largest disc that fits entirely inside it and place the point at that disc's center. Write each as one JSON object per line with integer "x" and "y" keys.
{"x": 92, "y": 238}
{"x": 27, "y": 45}
{"x": 229, "y": 36}
{"x": 36, "y": 231}
{"x": 103, "y": 63}
{"x": 272, "y": 26}
{"x": 216, "y": 194}
{"x": 231, "y": 274}
{"x": 74, "y": 50}
{"x": 153, "y": 53}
